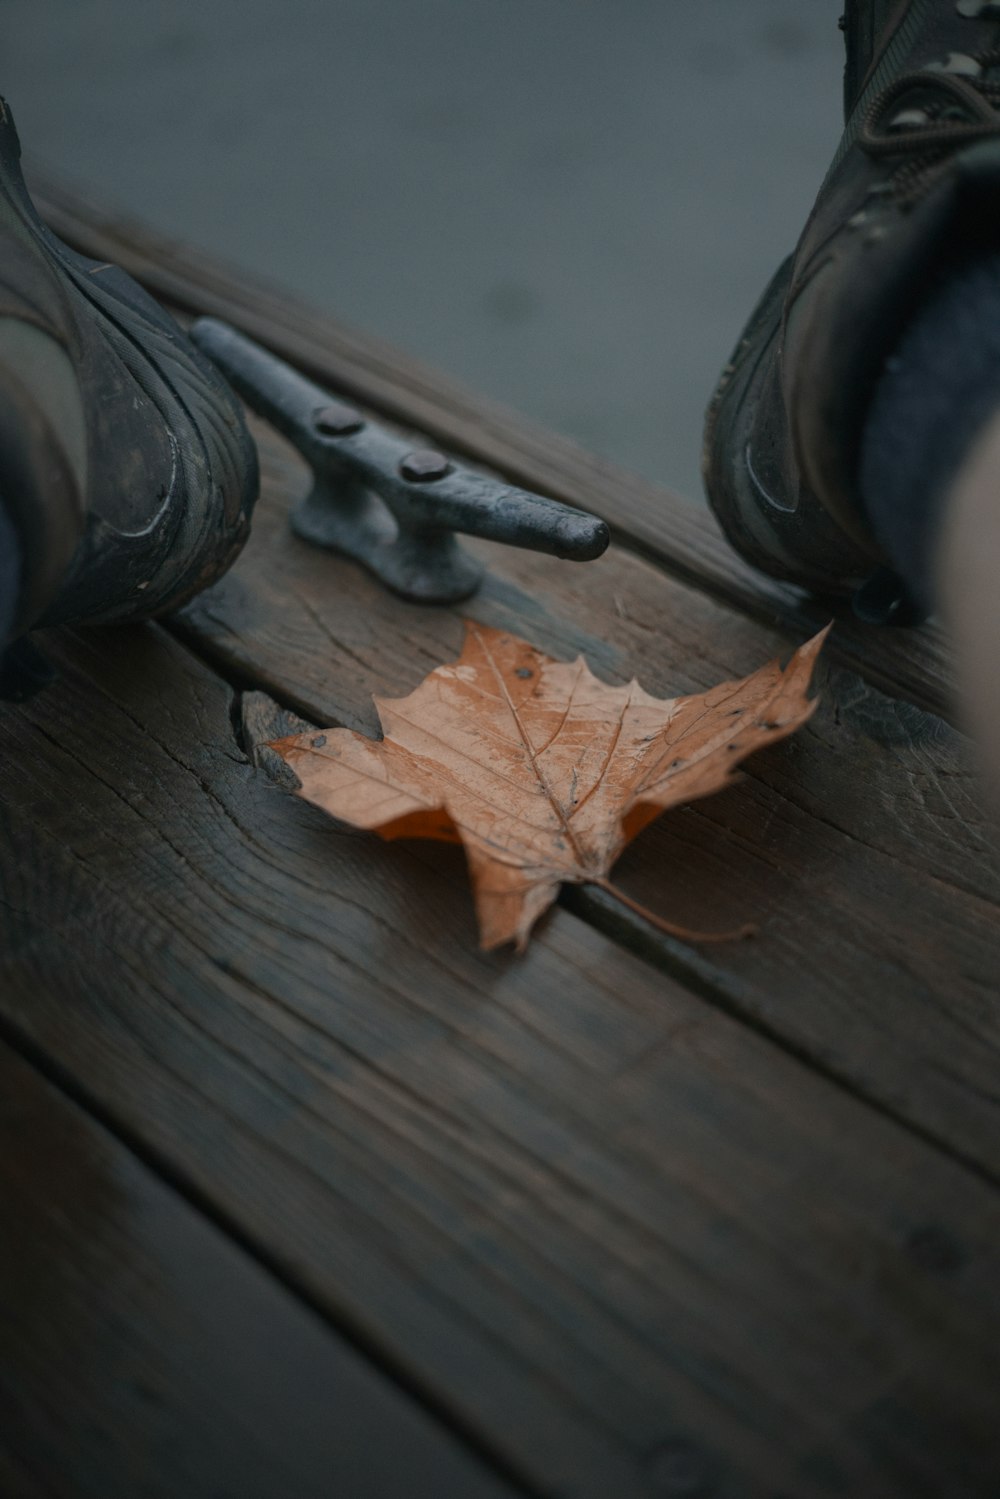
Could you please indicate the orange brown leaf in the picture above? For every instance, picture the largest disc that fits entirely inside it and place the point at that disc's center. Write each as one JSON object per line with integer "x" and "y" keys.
{"x": 542, "y": 772}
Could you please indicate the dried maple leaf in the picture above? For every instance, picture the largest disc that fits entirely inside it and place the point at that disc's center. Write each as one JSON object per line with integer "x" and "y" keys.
{"x": 543, "y": 772}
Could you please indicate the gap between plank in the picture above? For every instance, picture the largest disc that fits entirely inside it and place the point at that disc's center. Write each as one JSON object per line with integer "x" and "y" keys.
{"x": 167, "y": 1171}
{"x": 373, "y": 375}
{"x": 601, "y": 911}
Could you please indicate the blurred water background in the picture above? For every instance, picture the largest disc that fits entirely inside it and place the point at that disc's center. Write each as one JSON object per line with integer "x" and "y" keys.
{"x": 571, "y": 205}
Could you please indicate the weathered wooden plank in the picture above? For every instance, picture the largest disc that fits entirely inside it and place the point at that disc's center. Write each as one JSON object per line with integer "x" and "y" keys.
{"x": 625, "y": 1241}
{"x": 915, "y": 665}
{"x": 859, "y": 846}
{"x": 142, "y": 1353}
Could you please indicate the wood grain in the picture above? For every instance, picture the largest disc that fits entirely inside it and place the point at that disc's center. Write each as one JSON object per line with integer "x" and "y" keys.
{"x": 626, "y": 1243}
{"x": 681, "y": 536}
{"x": 144, "y": 1355}
{"x": 861, "y": 848}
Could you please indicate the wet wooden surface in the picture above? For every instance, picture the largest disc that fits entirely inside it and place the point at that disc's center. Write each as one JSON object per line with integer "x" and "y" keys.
{"x": 301, "y": 1188}
{"x": 144, "y": 1353}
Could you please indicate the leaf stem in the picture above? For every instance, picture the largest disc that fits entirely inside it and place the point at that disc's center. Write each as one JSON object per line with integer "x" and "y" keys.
{"x": 738, "y": 934}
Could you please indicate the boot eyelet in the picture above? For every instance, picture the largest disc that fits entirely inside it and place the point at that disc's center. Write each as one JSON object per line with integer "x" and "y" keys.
{"x": 978, "y": 10}
{"x": 908, "y": 119}
{"x": 958, "y": 64}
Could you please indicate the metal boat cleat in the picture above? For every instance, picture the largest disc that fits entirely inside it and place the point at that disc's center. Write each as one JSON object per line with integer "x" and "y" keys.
{"x": 382, "y": 502}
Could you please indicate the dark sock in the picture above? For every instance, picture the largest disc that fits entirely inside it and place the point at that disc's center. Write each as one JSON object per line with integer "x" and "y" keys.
{"x": 23, "y": 669}
{"x": 932, "y": 401}
{"x": 10, "y": 575}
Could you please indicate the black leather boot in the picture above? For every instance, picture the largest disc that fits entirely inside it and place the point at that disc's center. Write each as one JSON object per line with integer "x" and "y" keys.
{"x": 127, "y": 475}
{"x": 913, "y": 193}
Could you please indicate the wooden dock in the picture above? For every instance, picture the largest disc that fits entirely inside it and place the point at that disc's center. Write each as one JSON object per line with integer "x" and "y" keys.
{"x": 302, "y": 1195}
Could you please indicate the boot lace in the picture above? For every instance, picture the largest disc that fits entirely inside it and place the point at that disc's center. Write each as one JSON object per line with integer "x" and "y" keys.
{"x": 950, "y": 110}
